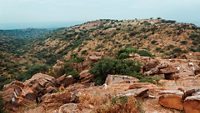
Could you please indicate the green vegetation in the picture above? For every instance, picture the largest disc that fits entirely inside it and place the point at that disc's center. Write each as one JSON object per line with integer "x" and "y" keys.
{"x": 31, "y": 71}
{"x": 3, "y": 81}
{"x": 124, "y": 53}
{"x": 76, "y": 59}
{"x": 69, "y": 70}
{"x": 144, "y": 53}
{"x": 114, "y": 66}
{"x": 1, "y": 105}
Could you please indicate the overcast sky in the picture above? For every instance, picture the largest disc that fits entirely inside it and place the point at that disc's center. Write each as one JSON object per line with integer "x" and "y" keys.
{"x": 50, "y": 13}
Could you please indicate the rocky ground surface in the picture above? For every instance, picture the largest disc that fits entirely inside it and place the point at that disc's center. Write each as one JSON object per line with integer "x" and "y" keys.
{"x": 177, "y": 91}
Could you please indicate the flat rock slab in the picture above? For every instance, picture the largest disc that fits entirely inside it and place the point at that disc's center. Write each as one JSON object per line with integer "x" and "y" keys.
{"x": 116, "y": 79}
{"x": 171, "y": 99}
{"x": 141, "y": 92}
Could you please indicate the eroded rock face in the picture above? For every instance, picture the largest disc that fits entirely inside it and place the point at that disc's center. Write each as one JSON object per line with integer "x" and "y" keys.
{"x": 18, "y": 94}
{"x": 65, "y": 80}
{"x": 56, "y": 99}
{"x": 117, "y": 79}
{"x": 69, "y": 108}
{"x": 171, "y": 99}
{"x": 86, "y": 76}
{"x": 192, "y": 102}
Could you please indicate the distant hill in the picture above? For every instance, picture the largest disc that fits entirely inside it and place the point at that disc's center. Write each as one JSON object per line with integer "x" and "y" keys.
{"x": 162, "y": 38}
{"x": 25, "y": 33}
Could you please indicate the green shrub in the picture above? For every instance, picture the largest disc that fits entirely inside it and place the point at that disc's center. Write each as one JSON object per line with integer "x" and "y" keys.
{"x": 76, "y": 59}
{"x": 153, "y": 42}
{"x": 184, "y": 42}
{"x": 113, "y": 66}
{"x": 69, "y": 70}
{"x": 31, "y": 71}
{"x": 84, "y": 52}
{"x": 144, "y": 53}
{"x": 124, "y": 53}
{"x": 1, "y": 105}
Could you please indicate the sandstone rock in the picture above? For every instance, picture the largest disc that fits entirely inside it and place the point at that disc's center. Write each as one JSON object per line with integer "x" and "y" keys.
{"x": 142, "y": 85}
{"x": 69, "y": 108}
{"x": 149, "y": 64}
{"x": 171, "y": 99}
{"x": 40, "y": 78}
{"x": 117, "y": 79}
{"x": 56, "y": 99}
{"x": 140, "y": 92}
{"x": 85, "y": 74}
{"x": 95, "y": 58}
{"x": 65, "y": 80}
{"x": 192, "y": 104}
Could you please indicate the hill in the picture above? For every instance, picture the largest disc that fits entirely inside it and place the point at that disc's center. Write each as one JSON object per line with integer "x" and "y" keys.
{"x": 103, "y": 66}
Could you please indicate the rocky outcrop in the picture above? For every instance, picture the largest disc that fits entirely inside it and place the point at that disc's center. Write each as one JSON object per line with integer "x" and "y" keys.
{"x": 65, "y": 80}
{"x": 86, "y": 76}
{"x": 56, "y": 99}
{"x": 18, "y": 94}
{"x": 189, "y": 100}
{"x": 171, "y": 99}
{"x": 192, "y": 102}
{"x": 117, "y": 79}
{"x": 69, "y": 108}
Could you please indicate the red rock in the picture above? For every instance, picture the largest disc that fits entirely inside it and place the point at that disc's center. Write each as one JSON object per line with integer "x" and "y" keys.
{"x": 171, "y": 99}
{"x": 117, "y": 79}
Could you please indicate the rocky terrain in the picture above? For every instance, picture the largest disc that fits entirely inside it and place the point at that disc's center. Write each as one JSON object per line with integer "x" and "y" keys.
{"x": 111, "y": 66}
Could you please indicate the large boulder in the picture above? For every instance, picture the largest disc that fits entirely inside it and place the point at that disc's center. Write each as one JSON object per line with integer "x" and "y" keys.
{"x": 69, "y": 108}
{"x": 117, "y": 79}
{"x": 192, "y": 101}
{"x": 56, "y": 99}
{"x": 192, "y": 104}
{"x": 18, "y": 94}
{"x": 171, "y": 99}
{"x": 65, "y": 80}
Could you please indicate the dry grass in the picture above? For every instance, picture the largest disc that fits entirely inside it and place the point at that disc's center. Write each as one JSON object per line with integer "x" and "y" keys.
{"x": 119, "y": 105}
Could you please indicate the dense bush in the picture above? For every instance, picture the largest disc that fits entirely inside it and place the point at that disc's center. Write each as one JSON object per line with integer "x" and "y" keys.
{"x": 124, "y": 53}
{"x": 76, "y": 59}
{"x": 1, "y": 105}
{"x": 114, "y": 66}
{"x": 31, "y": 71}
{"x": 144, "y": 53}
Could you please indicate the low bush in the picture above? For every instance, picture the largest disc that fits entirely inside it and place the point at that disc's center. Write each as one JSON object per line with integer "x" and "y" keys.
{"x": 69, "y": 70}
{"x": 124, "y": 53}
{"x": 31, "y": 71}
{"x": 144, "y": 53}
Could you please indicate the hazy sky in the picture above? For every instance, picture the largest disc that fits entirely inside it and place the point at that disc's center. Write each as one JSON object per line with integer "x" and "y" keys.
{"x": 50, "y": 13}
